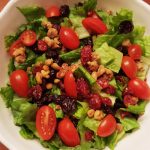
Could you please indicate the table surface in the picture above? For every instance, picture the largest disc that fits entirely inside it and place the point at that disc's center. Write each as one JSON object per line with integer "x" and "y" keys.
{"x": 2, "y": 4}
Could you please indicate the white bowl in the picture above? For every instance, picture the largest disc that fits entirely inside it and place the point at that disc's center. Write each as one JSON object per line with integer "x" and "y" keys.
{"x": 10, "y": 19}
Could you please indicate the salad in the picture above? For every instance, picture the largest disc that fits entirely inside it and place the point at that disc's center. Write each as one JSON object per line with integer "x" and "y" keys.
{"x": 77, "y": 76}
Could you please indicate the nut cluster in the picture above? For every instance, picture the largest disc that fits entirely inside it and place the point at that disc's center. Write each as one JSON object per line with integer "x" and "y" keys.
{"x": 52, "y": 39}
{"x": 19, "y": 55}
{"x": 44, "y": 73}
{"x": 98, "y": 114}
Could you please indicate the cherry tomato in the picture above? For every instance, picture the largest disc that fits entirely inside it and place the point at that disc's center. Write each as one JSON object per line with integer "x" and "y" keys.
{"x": 68, "y": 133}
{"x": 70, "y": 84}
{"x": 94, "y": 25}
{"x": 15, "y": 45}
{"x": 46, "y": 122}
{"x": 42, "y": 46}
{"x": 52, "y": 11}
{"x": 139, "y": 88}
{"x": 69, "y": 38}
{"x": 135, "y": 51}
{"x": 107, "y": 126}
{"x": 92, "y": 14}
{"x": 28, "y": 37}
{"x": 19, "y": 82}
{"x": 129, "y": 67}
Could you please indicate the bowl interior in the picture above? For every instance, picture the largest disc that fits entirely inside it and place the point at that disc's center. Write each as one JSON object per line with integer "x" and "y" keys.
{"x": 10, "y": 19}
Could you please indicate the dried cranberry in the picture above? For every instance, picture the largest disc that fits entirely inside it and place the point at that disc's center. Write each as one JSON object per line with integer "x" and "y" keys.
{"x": 64, "y": 10}
{"x": 87, "y": 41}
{"x": 83, "y": 88}
{"x": 74, "y": 120}
{"x": 110, "y": 89}
{"x": 103, "y": 82}
{"x": 122, "y": 79}
{"x": 123, "y": 49}
{"x": 57, "y": 27}
{"x": 130, "y": 100}
{"x": 124, "y": 114}
{"x": 89, "y": 135}
{"x": 69, "y": 105}
{"x": 42, "y": 46}
{"x": 35, "y": 92}
{"x": 107, "y": 109}
{"x": 125, "y": 27}
{"x": 126, "y": 91}
{"x": 107, "y": 101}
{"x": 94, "y": 101}
{"x": 52, "y": 54}
{"x": 37, "y": 69}
{"x": 86, "y": 54}
{"x": 118, "y": 104}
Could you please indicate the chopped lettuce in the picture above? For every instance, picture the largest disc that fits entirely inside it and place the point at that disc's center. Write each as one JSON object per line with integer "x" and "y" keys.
{"x": 32, "y": 81}
{"x": 32, "y": 13}
{"x": 59, "y": 113}
{"x": 141, "y": 74}
{"x": 91, "y": 124}
{"x": 7, "y": 94}
{"x": 9, "y": 39}
{"x": 11, "y": 66}
{"x": 99, "y": 143}
{"x": 41, "y": 58}
{"x": 136, "y": 109}
{"x": 23, "y": 111}
{"x": 82, "y": 109}
{"x": 110, "y": 57}
{"x": 55, "y": 90}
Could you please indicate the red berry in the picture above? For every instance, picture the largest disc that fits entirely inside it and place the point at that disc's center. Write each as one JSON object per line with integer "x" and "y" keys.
{"x": 126, "y": 91}
{"x": 106, "y": 101}
{"x": 86, "y": 54}
{"x": 124, "y": 114}
{"x": 130, "y": 100}
{"x": 42, "y": 46}
{"x": 103, "y": 82}
{"x": 82, "y": 87}
{"x": 37, "y": 69}
{"x": 95, "y": 101}
{"x": 110, "y": 89}
{"x": 89, "y": 135}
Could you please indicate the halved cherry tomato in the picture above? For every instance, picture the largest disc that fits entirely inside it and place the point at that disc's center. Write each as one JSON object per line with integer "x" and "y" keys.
{"x": 129, "y": 67}
{"x": 139, "y": 88}
{"x": 52, "y": 11}
{"x": 107, "y": 126}
{"x": 135, "y": 51}
{"x": 69, "y": 38}
{"x": 94, "y": 25}
{"x": 15, "y": 45}
{"x": 28, "y": 37}
{"x": 46, "y": 122}
{"x": 68, "y": 133}
{"x": 19, "y": 82}
{"x": 70, "y": 84}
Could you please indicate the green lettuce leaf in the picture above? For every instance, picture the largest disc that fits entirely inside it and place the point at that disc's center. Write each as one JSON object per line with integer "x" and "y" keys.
{"x": 11, "y": 66}
{"x": 9, "y": 39}
{"x": 99, "y": 143}
{"x": 110, "y": 57}
{"x": 91, "y": 124}
{"x": 136, "y": 109}
{"x": 7, "y": 94}
{"x": 82, "y": 109}
{"x": 41, "y": 58}
{"x": 32, "y": 13}
{"x": 23, "y": 111}
{"x": 55, "y": 90}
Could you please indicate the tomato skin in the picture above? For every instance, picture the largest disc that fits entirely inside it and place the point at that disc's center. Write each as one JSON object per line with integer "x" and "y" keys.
{"x": 129, "y": 67}
{"x": 46, "y": 122}
{"x": 139, "y": 88}
{"x": 70, "y": 84}
{"x": 69, "y": 38}
{"x": 19, "y": 82}
{"x": 68, "y": 133}
{"x": 135, "y": 51}
{"x": 52, "y": 11}
{"x": 107, "y": 126}
{"x": 94, "y": 25}
{"x": 28, "y": 37}
{"x": 92, "y": 14}
{"x": 15, "y": 45}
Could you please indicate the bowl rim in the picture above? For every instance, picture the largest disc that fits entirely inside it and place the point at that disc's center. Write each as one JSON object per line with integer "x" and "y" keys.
{"x": 10, "y": 3}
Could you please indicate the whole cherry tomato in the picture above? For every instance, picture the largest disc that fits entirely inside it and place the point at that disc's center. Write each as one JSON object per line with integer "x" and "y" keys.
{"x": 52, "y": 11}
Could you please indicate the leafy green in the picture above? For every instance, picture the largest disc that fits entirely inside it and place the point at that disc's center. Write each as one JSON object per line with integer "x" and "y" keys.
{"x": 32, "y": 80}
{"x": 41, "y": 58}
{"x": 114, "y": 138}
{"x": 31, "y": 56}
{"x": 55, "y": 90}
{"x": 71, "y": 56}
{"x": 7, "y": 94}
{"x": 66, "y": 22}
{"x": 110, "y": 57}
{"x": 9, "y": 39}
{"x": 26, "y": 133}
{"x": 141, "y": 74}
{"x": 32, "y": 13}
{"x": 23, "y": 111}
{"x": 11, "y": 66}
{"x": 91, "y": 124}
{"x": 58, "y": 112}
{"x": 99, "y": 142}
{"x": 82, "y": 109}
{"x": 82, "y": 72}
{"x": 136, "y": 109}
